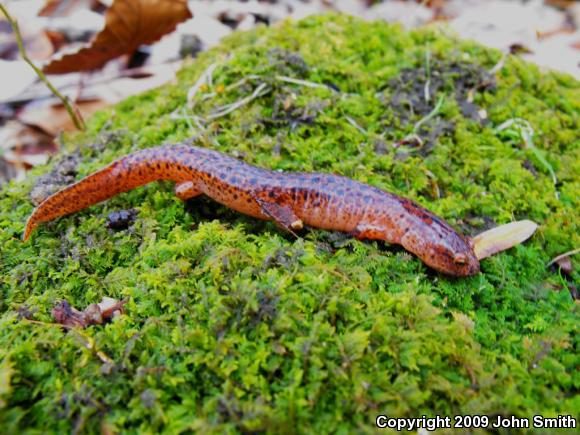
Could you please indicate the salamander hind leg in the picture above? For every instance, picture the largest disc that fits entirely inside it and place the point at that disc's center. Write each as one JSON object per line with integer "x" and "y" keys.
{"x": 282, "y": 213}
{"x": 186, "y": 190}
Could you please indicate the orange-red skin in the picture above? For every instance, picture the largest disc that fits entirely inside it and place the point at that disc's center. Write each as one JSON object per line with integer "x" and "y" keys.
{"x": 319, "y": 200}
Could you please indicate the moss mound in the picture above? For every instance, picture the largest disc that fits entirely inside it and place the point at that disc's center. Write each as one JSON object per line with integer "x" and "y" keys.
{"x": 234, "y": 326}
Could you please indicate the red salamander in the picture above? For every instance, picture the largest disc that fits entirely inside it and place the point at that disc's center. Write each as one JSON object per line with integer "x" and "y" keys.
{"x": 292, "y": 200}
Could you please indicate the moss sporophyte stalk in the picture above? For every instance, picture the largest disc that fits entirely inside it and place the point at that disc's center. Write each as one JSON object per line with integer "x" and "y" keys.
{"x": 232, "y": 325}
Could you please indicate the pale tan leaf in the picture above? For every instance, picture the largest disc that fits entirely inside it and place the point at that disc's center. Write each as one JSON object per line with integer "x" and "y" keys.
{"x": 503, "y": 237}
{"x": 128, "y": 24}
{"x": 53, "y": 118}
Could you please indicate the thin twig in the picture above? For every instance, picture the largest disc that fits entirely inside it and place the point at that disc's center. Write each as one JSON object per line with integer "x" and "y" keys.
{"x": 261, "y": 90}
{"x": 77, "y": 120}
{"x": 355, "y": 125}
{"x": 203, "y": 129}
{"x": 564, "y": 255}
{"x": 302, "y": 82}
{"x": 231, "y": 87}
{"x": 183, "y": 115}
{"x": 431, "y": 114}
{"x": 204, "y": 78}
{"x": 498, "y": 66}
{"x": 526, "y": 133}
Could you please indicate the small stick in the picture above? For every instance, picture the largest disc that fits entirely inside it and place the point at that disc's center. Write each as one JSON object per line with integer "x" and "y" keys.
{"x": 77, "y": 120}
{"x": 429, "y": 116}
{"x": 498, "y": 66}
{"x": 302, "y": 82}
{"x": 234, "y": 106}
{"x": 204, "y": 78}
{"x": 355, "y": 125}
{"x": 526, "y": 132}
{"x": 564, "y": 255}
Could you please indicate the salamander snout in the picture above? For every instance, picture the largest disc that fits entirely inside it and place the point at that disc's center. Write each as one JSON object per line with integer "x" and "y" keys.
{"x": 457, "y": 260}
{"x": 455, "y": 256}
{"x": 466, "y": 262}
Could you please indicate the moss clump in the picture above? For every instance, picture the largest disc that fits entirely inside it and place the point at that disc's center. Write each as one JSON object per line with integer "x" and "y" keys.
{"x": 232, "y": 326}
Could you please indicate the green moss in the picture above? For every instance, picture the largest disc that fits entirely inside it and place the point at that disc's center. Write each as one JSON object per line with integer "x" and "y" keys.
{"x": 233, "y": 326}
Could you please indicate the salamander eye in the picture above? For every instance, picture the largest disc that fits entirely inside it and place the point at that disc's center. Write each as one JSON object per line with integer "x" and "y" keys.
{"x": 460, "y": 259}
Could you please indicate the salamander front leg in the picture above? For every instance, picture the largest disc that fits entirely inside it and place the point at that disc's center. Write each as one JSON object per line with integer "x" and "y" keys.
{"x": 186, "y": 190}
{"x": 282, "y": 214}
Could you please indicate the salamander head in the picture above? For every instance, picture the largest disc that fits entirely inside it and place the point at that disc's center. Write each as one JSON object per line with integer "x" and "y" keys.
{"x": 438, "y": 244}
{"x": 451, "y": 255}
{"x": 455, "y": 257}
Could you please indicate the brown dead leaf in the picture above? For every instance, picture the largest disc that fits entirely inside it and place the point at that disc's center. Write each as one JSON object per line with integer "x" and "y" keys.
{"x": 37, "y": 45}
{"x": 23, "y": 147}
{"x": 95, "y": 314}
{"x": 503, "y": 237}
{"x": 53, "y": 118}
{"x": 54, "y": 8}
{"x": 128, "y": 24}
{"x": 517, "y": 48}
{"x": 562, "y": 4}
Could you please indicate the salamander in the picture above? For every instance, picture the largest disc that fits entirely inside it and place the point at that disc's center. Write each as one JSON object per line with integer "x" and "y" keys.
{"x": 291, "y": 199}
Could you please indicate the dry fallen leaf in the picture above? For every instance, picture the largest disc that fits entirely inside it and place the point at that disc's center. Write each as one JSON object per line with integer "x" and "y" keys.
{"x": 53, "y": 118}
{"x": 95, "y": 314}
{"x": 128, "y": 24}
{"x": 21, "y": 77}
{"x": 22, "y": 147}
{"x": 503, "y": 237}
{"x": 65, "y": 7}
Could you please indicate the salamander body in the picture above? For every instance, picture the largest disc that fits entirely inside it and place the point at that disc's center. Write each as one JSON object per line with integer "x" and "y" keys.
{"x": 292, "y": 200}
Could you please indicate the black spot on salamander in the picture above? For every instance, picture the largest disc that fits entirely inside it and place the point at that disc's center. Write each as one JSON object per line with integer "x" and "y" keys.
{"x": 271, "y": 194}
